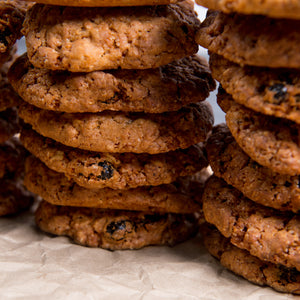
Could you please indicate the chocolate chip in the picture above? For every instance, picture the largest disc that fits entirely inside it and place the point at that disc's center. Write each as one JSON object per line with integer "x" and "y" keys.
{"x": 280, "y": 91}
{"x": 107, "y": 172}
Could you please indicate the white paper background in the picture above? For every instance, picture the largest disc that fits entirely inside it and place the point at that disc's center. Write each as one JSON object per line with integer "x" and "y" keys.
{"x": 38, "y": 266}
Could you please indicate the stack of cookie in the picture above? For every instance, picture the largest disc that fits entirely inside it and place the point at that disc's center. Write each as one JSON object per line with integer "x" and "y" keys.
{"x": 256, "y": 199}
{"x": 13, "y": 196}
{"x": 113, "y": 119}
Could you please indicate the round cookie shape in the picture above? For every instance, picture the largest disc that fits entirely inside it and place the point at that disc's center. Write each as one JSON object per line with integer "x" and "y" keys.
{"x": 114, "y": 170}
{"x": 273, "y": 92}
{"x": 104, "y": 3}
{"x": 251, "y": 40}
{"x": 57, "y": 189}
{"x": 256, "y": 182}
{"x": 9, "y": 124}
{"x": 242, "y": 263}
{"x": 269, "y": 234}
{"x": 166, "y": 88}
{"x": 123, "y": 132}
{"x": 272, "y": 142}
{"x": 273, "y": 8}
{"x": 90, "y": 39}
{"x": 115, "y": 230}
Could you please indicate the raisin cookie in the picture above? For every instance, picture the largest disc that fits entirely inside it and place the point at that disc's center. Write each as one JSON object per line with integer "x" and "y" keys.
{"x": 241, "y": 262}
{"x": 269, "y": 234}
{"x": 90, "y": 39}
{"x": 57, "y": 189}
{"x": 273, "y": 92}
{"x": 167, "y": 88}
{"x": 256, "y": 182}
{"x": 252, "y": 40}
{"x": 123, "y": 132}
{"x": 114, "y": 170}
{"x": 113, "y": 229}
{"x": 273, "y": 8}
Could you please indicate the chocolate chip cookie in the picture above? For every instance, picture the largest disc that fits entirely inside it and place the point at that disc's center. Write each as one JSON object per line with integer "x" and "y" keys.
{"x": 167, "y": 88}
{"x": 269, "y": 91}
{"x": 269, "y": 234}
{"x": 123, "y": 132}
{"x": 252, "y": 40}
{"x": 256, "y": 182}
{"x": 272, "y": 8}
{"x": 241, "y": 262}
{"x": 113, "y": 229}
{"x": 89, "y": 39}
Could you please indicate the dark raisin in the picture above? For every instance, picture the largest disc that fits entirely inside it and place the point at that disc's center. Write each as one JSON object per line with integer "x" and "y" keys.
{"x": 3, "y": 35}
{"x": 107, "y": 172}
{"x": 287, "y": 184}
{"x": 118, "y": 230}
{"x": 288, "y": 274}
{"x": 280, "y": 91}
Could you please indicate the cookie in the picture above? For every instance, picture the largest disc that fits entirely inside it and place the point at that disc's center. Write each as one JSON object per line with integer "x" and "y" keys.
{"x": 103, "y": 3}
{"x": 12, "y": 15}
{"x": 256, "y": 182}
{"x": 273, "y": 92}
{"x": 9, "y": 124}
{"x": 251, "y": 40}
{"x": 90, "y": 39}
{"x": 272, "y": 8}
{"x": 57, "y": 189}
{"x": 167, "y": 88}
{"x": 272, "y": 142}
{"x": 115, "y": 230}
{"x": 241, "y": 262}
{"x": 114, "y": 170}
{"x": 123, "y": 132}
{"x": 269, "y": 234}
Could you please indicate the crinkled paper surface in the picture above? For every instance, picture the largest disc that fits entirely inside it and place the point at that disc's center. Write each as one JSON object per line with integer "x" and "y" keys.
{"x": 35, "y": 265}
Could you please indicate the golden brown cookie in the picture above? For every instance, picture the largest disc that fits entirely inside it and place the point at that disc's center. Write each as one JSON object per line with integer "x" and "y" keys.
{"x": 167, "y": 88}
{"x": 114, "y": 170}
{"x": 115, "y": 230}
{"x": 269, "y": 234}
{"x": 273, "y": 8}
{"x": 57, "y": 189}
{"x": 251, "y": 40}
{"x": 123, "y": 132}
{"x": 241, "y": 262}
{"x": 256, "y": 182}
{"x": 89, "y": 39}
{"x": 273, "y": 92}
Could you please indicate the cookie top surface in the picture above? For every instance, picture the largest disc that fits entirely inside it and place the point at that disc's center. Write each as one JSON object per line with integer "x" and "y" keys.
{"x": 114, "y": 170}
{"x": 256, "y": 182}
{"x": 269, "y": 91}
{"x": 251, "y": 40}
{"x": 266, "y": 233}
{"x": 9, "y": 124}
{"x": 167, "y": 88}
{"x": 241, "y": 262}
{"x": 57, "y": 189}
{"x": 104, "y": 3}
{"x": 123, "y": 132}
{"x": 270, "y": 141}
{"x": 273, "y": 8}
{"x": 84, "y": 40}
{"x": 115, "y": 230}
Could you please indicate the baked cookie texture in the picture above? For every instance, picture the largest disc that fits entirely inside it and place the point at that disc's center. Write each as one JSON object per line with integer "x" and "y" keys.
{"x": 114, "y": 170}
{"x": 123, "y": 132}
{"x": 57, "y": 189}
{"x": 269, "y": 234}
{"x": 113, "y": 229}
{"x": 166, "y": 88}
{"x": 273, "y": 92}
{"x": 252, "y": 39}
{"x": 103, "y": 3}
{"x": 70, "y": 38}
{"x": 273, "y": 8}
{"x": 250, "y": 267}
{"x": 256, "y": 182}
